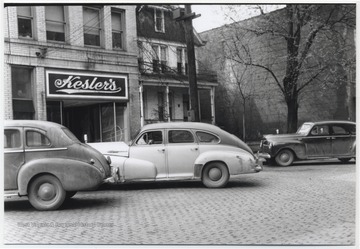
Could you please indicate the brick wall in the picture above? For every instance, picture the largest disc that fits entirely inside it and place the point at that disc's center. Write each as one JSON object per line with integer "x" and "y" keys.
{"x": 266, "y": 109}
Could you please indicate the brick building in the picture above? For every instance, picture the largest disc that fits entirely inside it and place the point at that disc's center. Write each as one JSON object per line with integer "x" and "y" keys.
{"x": 331, "y": 96}
{"x": 75, "y": 65}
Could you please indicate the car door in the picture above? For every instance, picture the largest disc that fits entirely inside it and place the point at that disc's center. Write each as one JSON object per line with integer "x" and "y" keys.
{"x": 342, "y": 140}
{"x": 182, "y": 151}
{"x": 150, "y": 147}
{"x": 318, "y": 142}
{"x": 13, "y": 155}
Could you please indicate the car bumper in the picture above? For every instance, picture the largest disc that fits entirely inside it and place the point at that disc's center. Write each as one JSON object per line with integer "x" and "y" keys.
{"x": 115, "y": 176}
{"x": 260, "y": 159}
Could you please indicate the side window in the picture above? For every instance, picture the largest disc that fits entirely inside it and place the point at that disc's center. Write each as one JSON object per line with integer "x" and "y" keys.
{"x": 205, "y": 137}
{"x": 151, "y": 137}
{"x": 321, "y": 130}
{"x": 180, "y": 136}
{"x": 338, "y": 130}
{"x": 12, "y": 139}
{"x": 36, "y": 139}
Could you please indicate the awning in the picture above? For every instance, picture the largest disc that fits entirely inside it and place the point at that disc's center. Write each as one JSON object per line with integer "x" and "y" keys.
{"x": 23, "y": 105}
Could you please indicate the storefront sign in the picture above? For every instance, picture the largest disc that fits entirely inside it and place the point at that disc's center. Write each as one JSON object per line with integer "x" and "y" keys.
{"x": 69, "y": 84}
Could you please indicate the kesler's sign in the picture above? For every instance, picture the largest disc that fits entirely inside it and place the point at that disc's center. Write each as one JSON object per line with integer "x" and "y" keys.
{"x": 69, "y": 84}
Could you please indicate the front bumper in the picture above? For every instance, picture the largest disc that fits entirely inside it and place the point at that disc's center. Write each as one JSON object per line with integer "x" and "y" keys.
{"x": 115, "y": 175}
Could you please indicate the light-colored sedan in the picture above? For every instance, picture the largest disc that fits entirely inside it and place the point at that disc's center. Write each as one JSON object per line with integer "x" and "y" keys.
{"x": 182, "y": 151}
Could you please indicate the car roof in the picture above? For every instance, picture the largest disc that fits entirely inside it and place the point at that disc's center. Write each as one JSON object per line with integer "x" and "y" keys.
{"x": 32, "y": 123}
{"x": 181, "y": 125}
{"x": 332, "y": 122}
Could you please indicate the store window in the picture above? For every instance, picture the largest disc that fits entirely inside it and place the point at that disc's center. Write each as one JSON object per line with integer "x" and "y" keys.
{"x": 25, "y": 21}
{"x": 112, "y": 126}
{"x": 159, "y": 20}
{"x": 117, "y": 23}
{"x": 23, "y": 106}
{"x": 55, "y": 23}
{"x": 92, "y": 26}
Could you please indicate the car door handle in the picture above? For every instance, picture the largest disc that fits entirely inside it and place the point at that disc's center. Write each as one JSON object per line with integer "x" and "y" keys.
{"x": 194, "y": 149}
{"x": 161, "y": 150}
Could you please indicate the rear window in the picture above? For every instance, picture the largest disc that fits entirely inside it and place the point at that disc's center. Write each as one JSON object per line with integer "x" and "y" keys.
{"x": 205, "y": 137}
{"x": 36, "y": 139}
{"x": 70, "y": 135}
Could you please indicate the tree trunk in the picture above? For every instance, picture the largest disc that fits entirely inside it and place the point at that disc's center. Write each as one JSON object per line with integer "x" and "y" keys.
{"x": 292, "y": 116}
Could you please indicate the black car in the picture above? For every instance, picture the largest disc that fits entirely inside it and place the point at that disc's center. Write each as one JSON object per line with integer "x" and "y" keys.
{"x": 313, "y": 140}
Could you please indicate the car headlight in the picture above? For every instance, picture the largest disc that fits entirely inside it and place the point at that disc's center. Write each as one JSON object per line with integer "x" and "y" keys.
{"x": 270, "y": 145}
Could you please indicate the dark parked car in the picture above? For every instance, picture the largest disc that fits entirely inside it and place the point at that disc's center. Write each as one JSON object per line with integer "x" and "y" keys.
{"x": 313, "y": 140}
{"x": 47, "y": 163}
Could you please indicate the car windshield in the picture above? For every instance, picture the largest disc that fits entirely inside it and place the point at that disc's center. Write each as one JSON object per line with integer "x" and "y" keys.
{"x": 70, "y": 135}
{"x": 304, "y": 129}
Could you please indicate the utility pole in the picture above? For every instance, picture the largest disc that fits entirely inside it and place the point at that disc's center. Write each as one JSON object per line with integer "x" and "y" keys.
{"x": 189, "y": 36}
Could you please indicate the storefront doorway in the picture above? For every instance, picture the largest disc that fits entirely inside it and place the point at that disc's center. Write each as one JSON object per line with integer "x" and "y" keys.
{"x": 101, "y": 122}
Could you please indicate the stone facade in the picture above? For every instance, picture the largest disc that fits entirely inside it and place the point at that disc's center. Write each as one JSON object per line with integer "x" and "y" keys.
{"x": 38, "y": 54}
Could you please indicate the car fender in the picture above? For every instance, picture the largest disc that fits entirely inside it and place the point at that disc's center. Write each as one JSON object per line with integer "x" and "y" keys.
{"x": 137, "y": 169}
{"x": 84, "y": 176}
{"x": 297, "y": 147}
{"x": 238, "y": 162}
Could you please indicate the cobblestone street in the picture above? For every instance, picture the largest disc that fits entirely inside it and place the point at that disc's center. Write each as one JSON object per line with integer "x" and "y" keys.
{"x": 305, "y": 204}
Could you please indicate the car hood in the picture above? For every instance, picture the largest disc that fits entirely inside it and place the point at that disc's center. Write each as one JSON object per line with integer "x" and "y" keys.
{"x": 281, "y": 137}
{"x": 112, "y": 148}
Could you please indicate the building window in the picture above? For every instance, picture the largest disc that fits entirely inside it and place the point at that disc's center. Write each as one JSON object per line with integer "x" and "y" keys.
{"x": 25, "y": 21}
{"x": 117, "y": 23}
{"x": 55, "y": 23}
{"x": 92, "y": 26}
{"x": 159, "y": 59}
{"x": 23, "y": 106}
{"x": 159, "y": 21}
{"x": 179, "y": 60}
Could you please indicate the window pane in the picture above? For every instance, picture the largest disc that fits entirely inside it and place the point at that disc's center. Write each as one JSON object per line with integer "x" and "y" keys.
{"x": 178, "y": 136}
{"x": 21, "y": 82}
{"x": 24, "y": 26}
{"x": 12, "y": 139}
{"x": 117, "y": 40}
{"x": 91, "y": 18}
{"x": 152, "y": 137}
{"x": 339, "y": 130}
{"x": 34, "y": 139}
{"x": 24, "y": 11}
{"x": 54, "y": 13}
{"x": 116, "y": 21}
{"x": 163, "y": 53}
{"x": 207, "y": 137}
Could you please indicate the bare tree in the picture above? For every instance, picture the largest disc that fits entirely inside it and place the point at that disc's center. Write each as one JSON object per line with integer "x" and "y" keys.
{"x": 307, "y": 61}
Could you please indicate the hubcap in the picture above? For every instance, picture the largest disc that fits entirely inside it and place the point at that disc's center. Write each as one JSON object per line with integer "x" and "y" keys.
{"x": 46, "y": 192}
{"x": 215, "y": 174}
{"x": 284, "y": 157}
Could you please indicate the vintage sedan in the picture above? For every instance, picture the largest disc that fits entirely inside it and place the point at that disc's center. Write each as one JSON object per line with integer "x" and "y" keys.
{"x": 182, "y": 151}
{"x": 47, "y": 163}
{"x": 313, "y": 140}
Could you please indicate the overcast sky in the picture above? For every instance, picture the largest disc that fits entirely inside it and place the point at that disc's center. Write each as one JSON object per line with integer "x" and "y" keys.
{"x": 213, "y": 16}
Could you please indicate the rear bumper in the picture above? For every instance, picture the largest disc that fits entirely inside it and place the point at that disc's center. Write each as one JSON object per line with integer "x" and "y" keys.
{"x": 260, "y": 159}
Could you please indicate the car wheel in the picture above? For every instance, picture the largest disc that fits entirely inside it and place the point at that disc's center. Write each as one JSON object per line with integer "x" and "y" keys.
{"x": 284, "y": 158}
{"x": 215, "y": 175}
{"x": 46, "y": 193}
{"x": 345, "y": 160}
{"x": 70, "y": 194}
